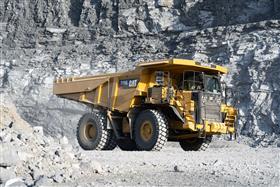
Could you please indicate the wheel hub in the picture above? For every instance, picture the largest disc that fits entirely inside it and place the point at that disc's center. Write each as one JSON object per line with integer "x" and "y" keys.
{"x": 146, "y": 131}
{"x": 90, "y": 131}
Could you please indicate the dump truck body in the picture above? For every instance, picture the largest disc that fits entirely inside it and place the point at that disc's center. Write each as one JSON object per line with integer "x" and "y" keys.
{"x": 187, "y": 93}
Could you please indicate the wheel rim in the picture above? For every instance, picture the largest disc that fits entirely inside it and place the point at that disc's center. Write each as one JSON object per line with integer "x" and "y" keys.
{"x": 90, "y": 131}
{"x": 146, "y": 130}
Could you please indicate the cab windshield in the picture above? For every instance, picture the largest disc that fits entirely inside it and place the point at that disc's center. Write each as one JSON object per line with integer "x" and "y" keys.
{"x": 197, "y": 81}
{"x": 212, "y": 84}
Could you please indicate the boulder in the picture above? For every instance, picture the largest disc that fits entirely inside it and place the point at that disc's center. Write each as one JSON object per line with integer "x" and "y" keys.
{"x": 9, "y": 156}
{"x": 44, "y": 181}
{"x": 63, "y": 140}
{"x": 38, "y": 130}
{"x": 15, "y": 182}
{"x": 6, "y": 174}
{"x": 24, "y": 156}
{"x": 58, "y": 178}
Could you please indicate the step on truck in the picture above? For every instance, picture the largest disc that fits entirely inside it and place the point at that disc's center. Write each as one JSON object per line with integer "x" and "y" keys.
{"x": 166, "y": 100}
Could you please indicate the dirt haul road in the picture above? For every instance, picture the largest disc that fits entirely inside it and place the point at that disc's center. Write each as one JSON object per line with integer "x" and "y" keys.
{"x": 224, "y": 164}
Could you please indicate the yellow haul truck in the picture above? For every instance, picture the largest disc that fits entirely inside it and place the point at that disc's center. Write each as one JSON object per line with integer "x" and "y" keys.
{"x": 166, "y": 100}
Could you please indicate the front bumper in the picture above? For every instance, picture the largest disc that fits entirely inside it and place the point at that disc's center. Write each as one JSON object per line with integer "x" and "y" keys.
{"x": 216, "y": 128}
{"x": 211, "y": 127}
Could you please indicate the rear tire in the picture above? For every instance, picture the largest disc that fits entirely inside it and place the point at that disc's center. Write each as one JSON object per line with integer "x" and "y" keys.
{"x": 111, "y": 143}
{"x": 127, "y": 145}
{"x": 91, "y": 131}
{"x": 196, "y": 144}
{"x": 150, "y": 130}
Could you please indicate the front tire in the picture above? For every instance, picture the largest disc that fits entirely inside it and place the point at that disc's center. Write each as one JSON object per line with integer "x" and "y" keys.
{"x": 150, "y": 130}
{"x": 91, "y": 132}
{"x": 196, "y": 144}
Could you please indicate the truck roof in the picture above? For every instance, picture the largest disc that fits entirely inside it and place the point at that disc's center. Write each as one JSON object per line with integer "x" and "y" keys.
{"x": 168, "y": 63}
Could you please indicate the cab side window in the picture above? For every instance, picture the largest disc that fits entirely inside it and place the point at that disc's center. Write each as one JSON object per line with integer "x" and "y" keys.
{"x": 193, "y": 80}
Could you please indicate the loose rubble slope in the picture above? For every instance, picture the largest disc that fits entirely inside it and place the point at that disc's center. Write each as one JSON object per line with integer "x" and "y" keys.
{"x": 28, "y": 157}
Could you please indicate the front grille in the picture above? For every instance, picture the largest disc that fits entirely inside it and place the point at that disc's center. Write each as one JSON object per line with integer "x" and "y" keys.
{"x": 211, "y": 107}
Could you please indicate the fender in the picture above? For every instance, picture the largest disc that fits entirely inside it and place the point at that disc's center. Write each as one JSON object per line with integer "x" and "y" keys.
{"x": 177, "y": 114}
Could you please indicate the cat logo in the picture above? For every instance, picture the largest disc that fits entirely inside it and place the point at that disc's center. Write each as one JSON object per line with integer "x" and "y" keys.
{"x": 128, "y": 83}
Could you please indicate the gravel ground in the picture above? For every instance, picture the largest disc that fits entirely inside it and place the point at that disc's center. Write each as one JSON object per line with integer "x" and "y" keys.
{"x": 224, "y": 164}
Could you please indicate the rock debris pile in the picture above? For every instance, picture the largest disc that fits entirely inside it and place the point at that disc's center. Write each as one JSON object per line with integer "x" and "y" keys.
{"x": 29, "y": 158}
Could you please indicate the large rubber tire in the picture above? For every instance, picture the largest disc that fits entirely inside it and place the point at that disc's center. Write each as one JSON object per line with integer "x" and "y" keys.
{"x": 127, "y": 145}
{"x": 91, "y": 131}
{"x": 196, "y": 144}
{"x": 157, "y": 134}
{"x": 111, "y": 141}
